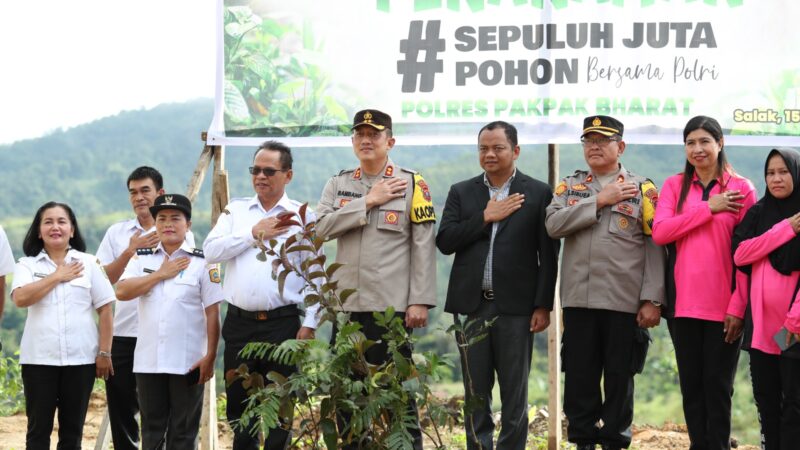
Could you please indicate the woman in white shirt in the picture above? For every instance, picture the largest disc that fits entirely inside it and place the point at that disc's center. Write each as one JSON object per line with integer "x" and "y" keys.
{"x": 61, "y": 350}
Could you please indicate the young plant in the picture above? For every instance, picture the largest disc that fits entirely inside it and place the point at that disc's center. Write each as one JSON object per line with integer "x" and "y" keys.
{"x": 334, "y": 380}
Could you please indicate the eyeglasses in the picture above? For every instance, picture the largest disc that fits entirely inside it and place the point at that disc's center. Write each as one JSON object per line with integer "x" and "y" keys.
{"x": 600, "y": 142}
{"x": 267, "y": 171}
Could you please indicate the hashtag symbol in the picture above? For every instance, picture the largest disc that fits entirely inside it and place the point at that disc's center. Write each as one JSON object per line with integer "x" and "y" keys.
{"x": 411, "y": 68}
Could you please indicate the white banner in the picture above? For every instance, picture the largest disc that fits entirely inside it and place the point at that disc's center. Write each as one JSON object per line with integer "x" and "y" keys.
{"x": 442, "y": 68}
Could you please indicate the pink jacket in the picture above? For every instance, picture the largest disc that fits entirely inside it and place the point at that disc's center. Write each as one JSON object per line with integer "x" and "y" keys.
{"x": 704, "y": 266}
{"x": 770, "y": 290}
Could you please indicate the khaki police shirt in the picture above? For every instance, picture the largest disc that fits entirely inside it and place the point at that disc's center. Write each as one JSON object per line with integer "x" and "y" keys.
{"x": 389, "y": 252}
{"x": 610, "y": 260}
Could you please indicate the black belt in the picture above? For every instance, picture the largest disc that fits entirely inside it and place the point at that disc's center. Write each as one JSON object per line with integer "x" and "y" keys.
{"x": 488, "y": 294}
{"x": 283, "y": 311}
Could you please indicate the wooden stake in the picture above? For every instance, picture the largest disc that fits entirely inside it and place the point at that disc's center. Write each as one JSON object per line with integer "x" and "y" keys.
{"x": 554, "y": 334}
{"x": 193, "y": 188}
{"x": 219, "y": 185}
{"x": 219, "y": 199}
{"x": 104, "y": 434}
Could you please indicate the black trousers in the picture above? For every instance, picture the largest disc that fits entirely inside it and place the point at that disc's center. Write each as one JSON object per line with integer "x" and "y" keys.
{"x": 506, "y": 351}
{"x": 171, "y": 410}
{"x": 599, "y": 345}
{"x": 47, "y": 388}
{"x": 237, "y": 332}
{"x": 123, "y": 402}
{"x": 378, "y": 354}
{"x": 706, "y": 368}
{"x": 776, "y": 388}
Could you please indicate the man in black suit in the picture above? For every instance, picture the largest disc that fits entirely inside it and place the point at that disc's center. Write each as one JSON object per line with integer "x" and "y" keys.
{"x": 504, "y": 269}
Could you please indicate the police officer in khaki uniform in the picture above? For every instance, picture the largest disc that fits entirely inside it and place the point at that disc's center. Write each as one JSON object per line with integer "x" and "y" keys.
{"x": 383, "y": 220}
{"x": 612, "y": 285}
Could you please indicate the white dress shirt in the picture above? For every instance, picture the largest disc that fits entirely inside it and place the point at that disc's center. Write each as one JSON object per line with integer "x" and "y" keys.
{"x": 115, "y": 242}
{"x": 60, "y": 329}
{"x": 248, "y": 282}
{"x": 6, "y": 256}
{"x": 172, "y": 316}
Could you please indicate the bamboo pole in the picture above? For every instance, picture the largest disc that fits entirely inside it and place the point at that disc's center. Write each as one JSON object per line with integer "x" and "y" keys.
{"x": 219, "y": 199}
{"x": 104, "y": 434}
{"x": 554, "y": 334}
{"x": 200, "y": 170}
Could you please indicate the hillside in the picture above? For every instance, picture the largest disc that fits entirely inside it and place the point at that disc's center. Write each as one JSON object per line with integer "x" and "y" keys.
{"x": 87, "y": 166}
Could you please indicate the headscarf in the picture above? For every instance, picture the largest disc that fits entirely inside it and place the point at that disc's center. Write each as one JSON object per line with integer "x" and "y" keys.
{"x": 770, "y": 210}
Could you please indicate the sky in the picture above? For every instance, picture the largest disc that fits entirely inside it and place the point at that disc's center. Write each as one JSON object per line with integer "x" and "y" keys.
{"x": 65, "y": 63}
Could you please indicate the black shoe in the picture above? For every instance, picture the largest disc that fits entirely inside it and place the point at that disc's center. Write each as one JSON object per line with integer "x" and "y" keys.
{"x": 608, "y": 447}
{"x": 585, "y": 447}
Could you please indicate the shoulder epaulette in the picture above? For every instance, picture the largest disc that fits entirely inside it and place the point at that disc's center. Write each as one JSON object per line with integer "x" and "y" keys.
{"x": 198, "y": 252}
{"x": 346, "y": 171}
{"x": 235, "y": 203}
{"x": 580, "y": 172}
{"x": 145, "y": 251}
{"x": 412, "y": 171}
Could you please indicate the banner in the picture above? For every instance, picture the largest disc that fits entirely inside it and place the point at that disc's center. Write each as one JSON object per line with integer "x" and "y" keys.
{"x": 298, "y": 70}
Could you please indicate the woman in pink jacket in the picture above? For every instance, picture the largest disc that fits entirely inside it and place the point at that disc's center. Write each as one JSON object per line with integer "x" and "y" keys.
{"x": 697, "y": 212}
{"x": 768, "y": 249}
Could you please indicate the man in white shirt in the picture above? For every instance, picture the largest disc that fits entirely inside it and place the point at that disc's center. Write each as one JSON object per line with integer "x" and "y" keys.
{"x": 119, "y": 245}
{"x": 179, "y": 295}
{"x": 257, "y": 310}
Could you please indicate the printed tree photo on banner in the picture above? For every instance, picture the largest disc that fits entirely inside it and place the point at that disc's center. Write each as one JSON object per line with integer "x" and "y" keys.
{"x": 272, "y": 87}
{"x": 440, "y": 68}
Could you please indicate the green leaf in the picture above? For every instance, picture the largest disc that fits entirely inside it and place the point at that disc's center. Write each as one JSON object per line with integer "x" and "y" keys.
{"x": 300, "y": 248}
{"x": 311, "y": 299}
{"x": 302, "y": 212}
{"x": 282, "y": 279}
{"x": 235, "y": 106}
{"x": 290, "y": 240}
{"x": 329, "y": 433}
{"x": 334, "y": 108}
{"x": 333, "y": 268}
{"x": 345, "y": 294}
{"x": 411, "y": 385}
{"x": 291, "y": 88}
{"x": 400, "y": 361}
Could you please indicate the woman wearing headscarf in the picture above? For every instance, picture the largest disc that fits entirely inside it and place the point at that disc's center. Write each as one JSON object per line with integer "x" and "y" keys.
{"x": 767, "y": 248}
{"x": 696, "y": 213}
{"x": 61, "y": 351}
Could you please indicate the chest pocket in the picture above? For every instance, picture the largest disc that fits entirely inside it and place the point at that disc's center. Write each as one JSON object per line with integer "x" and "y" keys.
{"x": 186, "y": 288}
{"x": 79, "y": 290}
{"x": 392, "y": 215}
{"x": 625, "y": 219}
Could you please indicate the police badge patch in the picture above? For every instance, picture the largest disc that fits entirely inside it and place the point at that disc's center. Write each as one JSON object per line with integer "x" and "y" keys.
{"x": 561, "y": 188}
{"x": 213, "y": 275}
{"x": 391, "y": 217}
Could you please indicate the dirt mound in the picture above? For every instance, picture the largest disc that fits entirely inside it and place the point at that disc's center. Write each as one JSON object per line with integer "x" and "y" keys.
{"x": 12, "y": 431}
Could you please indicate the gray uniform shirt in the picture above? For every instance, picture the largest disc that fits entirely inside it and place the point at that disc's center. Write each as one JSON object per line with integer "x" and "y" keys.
{"x": 610, "y": 260}
{"x": 389, "y": 251}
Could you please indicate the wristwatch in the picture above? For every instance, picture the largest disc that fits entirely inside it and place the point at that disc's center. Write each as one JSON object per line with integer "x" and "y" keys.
{"x": 656, "y": 303}
{"x": 102, "y": 354}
